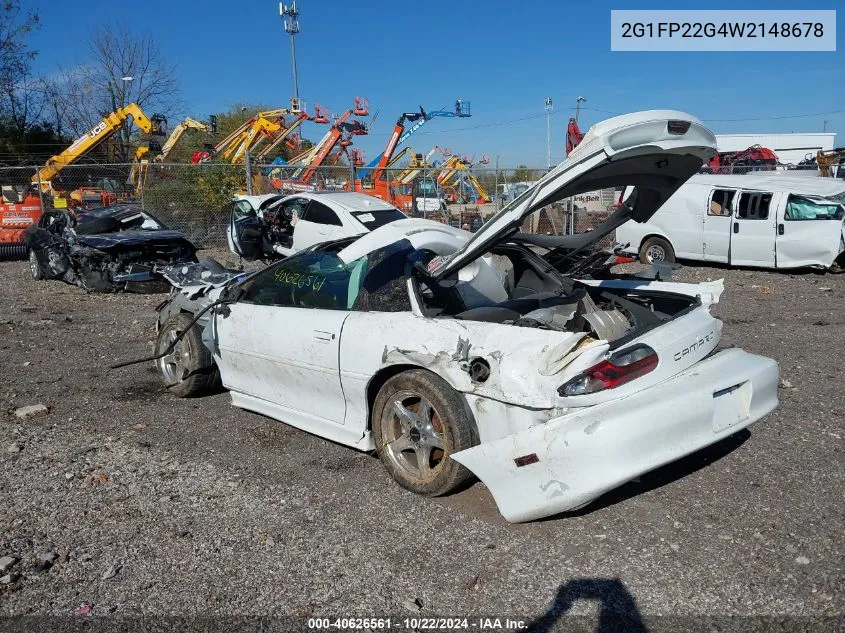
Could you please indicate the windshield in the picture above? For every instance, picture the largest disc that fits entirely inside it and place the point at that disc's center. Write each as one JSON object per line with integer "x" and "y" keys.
{"x": 374, "y": 219}
{"x": 427, "y": 187}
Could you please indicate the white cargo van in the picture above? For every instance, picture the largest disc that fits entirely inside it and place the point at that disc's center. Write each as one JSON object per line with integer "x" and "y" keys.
{"x": 761, "y": 220}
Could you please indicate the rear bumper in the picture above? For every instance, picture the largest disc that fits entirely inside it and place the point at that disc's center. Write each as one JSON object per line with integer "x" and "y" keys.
{"x": 589, "y": 451}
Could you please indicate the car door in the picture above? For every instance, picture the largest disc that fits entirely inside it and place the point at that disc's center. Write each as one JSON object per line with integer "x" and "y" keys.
{"x": 716, "y": 237}
{"x": 319, "y": 224}
{"x": 753, "y": 229}
{"x": 810, "y": 232}
{"x": 244, "y": 233}
{"x": 280, "y": 341}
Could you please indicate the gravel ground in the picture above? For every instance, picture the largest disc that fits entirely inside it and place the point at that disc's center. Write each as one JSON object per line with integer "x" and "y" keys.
{"x": 129, "y": 500}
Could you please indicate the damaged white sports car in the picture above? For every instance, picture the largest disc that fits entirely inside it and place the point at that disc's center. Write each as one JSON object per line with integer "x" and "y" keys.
{"x": 453, "y": 354}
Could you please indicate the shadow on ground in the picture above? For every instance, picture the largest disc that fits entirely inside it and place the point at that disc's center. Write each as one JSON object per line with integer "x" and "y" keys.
{"x": 618, "y": 609}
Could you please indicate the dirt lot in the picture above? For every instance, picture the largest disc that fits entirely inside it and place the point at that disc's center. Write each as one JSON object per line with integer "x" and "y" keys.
{"x": 153, "y": 505}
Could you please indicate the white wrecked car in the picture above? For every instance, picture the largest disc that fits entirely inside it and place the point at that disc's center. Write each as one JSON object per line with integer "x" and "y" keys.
{"x": 453, "y": 354}
{"x": 273, "y": 226}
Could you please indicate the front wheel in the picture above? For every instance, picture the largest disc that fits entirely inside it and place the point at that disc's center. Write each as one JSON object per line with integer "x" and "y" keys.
{"x": 419, "y": 421}
{"x": 656, "y": 250}
{"x": 188, "y": 369}
{"x": 35, "y": 267}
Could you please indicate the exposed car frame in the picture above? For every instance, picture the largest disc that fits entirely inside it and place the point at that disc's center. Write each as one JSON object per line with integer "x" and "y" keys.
{"x": 273, "y": 226}
{"x": 116, "y": 248}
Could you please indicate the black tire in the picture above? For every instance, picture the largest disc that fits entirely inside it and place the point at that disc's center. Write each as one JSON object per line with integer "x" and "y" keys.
{"x": 399, "y": 442}
{"x": 189, "y": 370}
{"x": 656, "y": 250}
{"x": 35, "y": 266}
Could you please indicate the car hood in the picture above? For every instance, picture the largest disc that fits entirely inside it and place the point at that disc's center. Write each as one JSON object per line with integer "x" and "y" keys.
{"x": 106, "y": 241}
{"x": 654, "y": 151}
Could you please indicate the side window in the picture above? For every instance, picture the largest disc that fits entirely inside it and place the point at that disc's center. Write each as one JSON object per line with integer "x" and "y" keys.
{"x": 242, "y": 209}
{"x": 295, "y": 209}
{"x": 799, "y": 208}
{"x": 384, "y": 287}
{"x": 720, "y": 202}
{"x": 754, "y": 206}
{"x": 321, "y": 214}
{"x": 311, "y": 280}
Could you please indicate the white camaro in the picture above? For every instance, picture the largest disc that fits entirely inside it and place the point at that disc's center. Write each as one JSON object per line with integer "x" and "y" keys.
{"x": 271, "y": 226}
{"x": 453, "y": 354}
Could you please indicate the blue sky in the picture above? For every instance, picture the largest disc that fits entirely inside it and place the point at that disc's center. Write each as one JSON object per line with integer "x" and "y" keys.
{"x": 503, "y": 56}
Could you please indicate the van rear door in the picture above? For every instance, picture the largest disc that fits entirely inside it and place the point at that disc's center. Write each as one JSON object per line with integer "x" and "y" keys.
{"x": 753, "y": 228}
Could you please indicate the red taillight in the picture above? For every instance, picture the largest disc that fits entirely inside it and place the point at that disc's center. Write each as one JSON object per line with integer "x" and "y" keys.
{"x": 622, "y": 259}
{"x": 624, "y": 366}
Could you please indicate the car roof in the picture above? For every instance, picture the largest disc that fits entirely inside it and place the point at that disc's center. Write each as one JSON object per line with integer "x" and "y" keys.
{"x": 436, "y": 236}
{"x": 256, "y": 201}
{"x": 349, "y": 200}
{"x": 778, "y": 180}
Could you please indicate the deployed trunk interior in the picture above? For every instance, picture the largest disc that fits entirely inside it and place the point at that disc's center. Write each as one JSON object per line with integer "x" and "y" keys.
{"x": 511, "y": 286}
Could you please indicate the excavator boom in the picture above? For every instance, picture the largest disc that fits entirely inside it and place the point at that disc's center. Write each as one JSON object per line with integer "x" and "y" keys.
{"x": 106, "y": 128}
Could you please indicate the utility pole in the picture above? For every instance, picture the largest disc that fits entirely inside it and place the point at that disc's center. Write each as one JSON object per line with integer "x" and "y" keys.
{"x": 578, "y": 107}
{"x": 290, "y": 17}
{"x": 549, "y": 107}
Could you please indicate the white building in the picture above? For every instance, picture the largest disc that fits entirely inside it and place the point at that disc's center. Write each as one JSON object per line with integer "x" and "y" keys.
{"x": 790, "y": 148}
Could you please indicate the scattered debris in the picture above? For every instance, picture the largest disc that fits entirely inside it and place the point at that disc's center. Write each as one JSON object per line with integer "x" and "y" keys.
{"x": 98, "y": 479}
{"x": 111, "y": 572}
{"x": 30, "y": 410}
{"x": 825, "y": 288}
{"x": 48, "y": 557}
{"x": 785, "y": 384}
{"x": 7, "y": 562}
{"x": 15, "y": 447}
{"x": 766, "y": 290}
{"x": 413, "y": 605}
{"x": 8, "y": 579}
{"x": 84, "y": 609}
{"x": 802, "y": 560}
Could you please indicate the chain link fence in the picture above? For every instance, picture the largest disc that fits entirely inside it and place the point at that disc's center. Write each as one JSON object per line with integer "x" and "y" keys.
{"x": 195, "y": 198}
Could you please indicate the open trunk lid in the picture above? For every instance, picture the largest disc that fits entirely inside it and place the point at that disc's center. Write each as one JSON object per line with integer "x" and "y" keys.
{"x": 654, "y": 151}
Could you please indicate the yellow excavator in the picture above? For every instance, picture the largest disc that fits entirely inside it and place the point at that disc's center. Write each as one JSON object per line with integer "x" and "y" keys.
{"x": 103, "y": 130}
{"x": 138, "y": 174}
{"x": 179, "y": 131}
{"x": 827, "y": 159}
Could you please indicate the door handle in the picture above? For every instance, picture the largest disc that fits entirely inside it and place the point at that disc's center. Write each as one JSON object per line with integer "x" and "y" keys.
{"x": 322, "y": 336}
{"x": 736, "y": 227}
{"x": 780, "y": 229}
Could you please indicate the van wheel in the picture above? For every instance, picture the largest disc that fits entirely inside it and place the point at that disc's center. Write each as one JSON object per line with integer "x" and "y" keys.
{"x": 656, "y": 250}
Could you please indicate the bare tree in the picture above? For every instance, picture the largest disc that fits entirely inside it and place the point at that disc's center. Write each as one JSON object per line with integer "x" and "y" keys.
{"x": 101, "y": 85}
{"x": 17, "y": 99}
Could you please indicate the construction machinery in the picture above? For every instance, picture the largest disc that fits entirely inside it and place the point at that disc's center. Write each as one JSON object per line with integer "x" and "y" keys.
{"x": 179, "y": 131}
{"x": 400, "y": 134}
{"x": 754, "y": 158}
{"x": 827, "y": 159}
{"x": 269, "y": 125}
{"x": 574, "y": 136}
{"x": 106, "y": 128}
{"x": 21, "y": 207}
{"x": 302, "y": 169}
